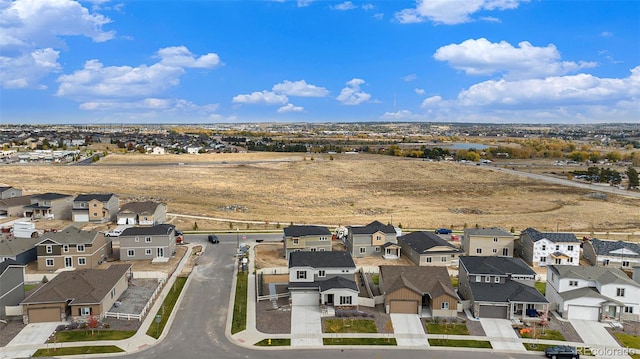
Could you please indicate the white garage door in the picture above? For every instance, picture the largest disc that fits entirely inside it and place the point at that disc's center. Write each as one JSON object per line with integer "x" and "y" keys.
{"x": 81, "y": 217}
{"x": 582, "y": 312}
{"x": 305, "y": 298}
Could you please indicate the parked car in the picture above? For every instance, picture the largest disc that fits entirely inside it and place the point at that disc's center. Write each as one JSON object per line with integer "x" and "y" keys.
{"x": 213, "y": 238}
{"x": 562, "y": 351}
{"x": 443, "y": 231}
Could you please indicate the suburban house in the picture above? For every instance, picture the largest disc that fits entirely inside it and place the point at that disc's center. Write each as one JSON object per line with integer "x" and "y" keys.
{"x": 156, "y": 243}
{"x": 49, "y": 206}
{"x": 373, "y": 239}
{"x": 146, "y": 213}
{"x": 326, "y": 278}
{"x": 487, "y": 242}
{"x": 77, "y": 295}
{"x": 9, "y": 192}
{"x": 544, "y": 248}
{"x": 428, "y": 249}
{"x": 611, "y": 253}
{"x": 11, "y": 285}
{"x": 306, "y": 238}
{"x": 21, "y": 250}
{"x": 418, "y": 290}
{"x": 500, "y": 287}
{"x": 14, "y": 206}
{"x": 592, "y": 293}
{"x": 95, "y": 207}
{"x": 72, "y": 248}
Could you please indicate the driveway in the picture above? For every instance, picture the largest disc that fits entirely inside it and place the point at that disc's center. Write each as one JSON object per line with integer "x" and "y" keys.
{"x": 497, "y": 329}
{"x": 594, "y": 333}
{"x": 408, "y": 330}
{"x": 31, "y": 334}
{"x": 306, "y": 326}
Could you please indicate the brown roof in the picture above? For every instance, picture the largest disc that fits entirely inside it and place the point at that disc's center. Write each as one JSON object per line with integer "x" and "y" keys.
{"x": 422, "y": 280}
{"x": 16, "y": 201}
{"x": 140, "y": 207}
{"x": 86, "y": 286}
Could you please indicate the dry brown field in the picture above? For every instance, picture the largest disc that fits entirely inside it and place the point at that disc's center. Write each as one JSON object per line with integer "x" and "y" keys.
{"x": 348, "y": 190}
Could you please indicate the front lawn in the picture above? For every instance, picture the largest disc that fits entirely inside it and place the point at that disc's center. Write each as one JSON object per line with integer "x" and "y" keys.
{"x": 28, "y": 287}
{"x": 85, "y": 335}
{"x": 359, "y": 341}
{"x": 350, "y": 326}
{"x": 628, "y": 340}
{"x": 100, "y": 349}
{"x": 274, "y": 343}
{"x": 454, "y": 282}
{"x": 460, "y": 343}
{"x": 239, "y": 322}
{"x": 155, "y": 330}
{"x": 376, "y": 279}
{"x": 547, "y": 335}
{"x": 541, "y": 287}
{"x": 452, "y": 329}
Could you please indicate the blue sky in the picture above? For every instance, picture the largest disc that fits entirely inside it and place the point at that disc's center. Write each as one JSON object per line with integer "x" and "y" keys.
{"x": 145, "y": 61}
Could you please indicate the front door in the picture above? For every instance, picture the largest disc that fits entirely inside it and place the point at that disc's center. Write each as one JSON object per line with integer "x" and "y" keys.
{"x": 68, "y": 262}
{"x": 330, "y": 299}
{"x": 160, "y": 252}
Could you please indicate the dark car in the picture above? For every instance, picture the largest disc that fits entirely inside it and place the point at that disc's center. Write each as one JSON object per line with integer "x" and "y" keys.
{"x": 562, "y": 351}
{"x": 213, "y": 238}
{"x": 443, "y": 231}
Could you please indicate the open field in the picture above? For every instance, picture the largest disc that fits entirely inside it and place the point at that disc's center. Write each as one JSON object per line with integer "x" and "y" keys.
{"x": 350, "y": 189}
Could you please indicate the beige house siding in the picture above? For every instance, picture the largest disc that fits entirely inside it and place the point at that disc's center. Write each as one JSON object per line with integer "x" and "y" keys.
{"x": 94, "y": 254}
{"x": 477, "y": 245}
{"x": 41, "y": 313}
{"x": 378, "y": 239}
{"x": 402, "y": 294}
{"x": 436, "y": 306}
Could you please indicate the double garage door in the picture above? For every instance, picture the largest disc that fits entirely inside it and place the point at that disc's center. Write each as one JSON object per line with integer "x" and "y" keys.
{"x": 44, "y": 315}
{"x": 403, "y": 306}
{"x": 582, "y": 312}
{"x": 493, "y": 311}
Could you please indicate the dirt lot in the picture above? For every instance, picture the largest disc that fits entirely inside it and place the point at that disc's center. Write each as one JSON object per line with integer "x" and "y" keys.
{"x": 300, "y": 188}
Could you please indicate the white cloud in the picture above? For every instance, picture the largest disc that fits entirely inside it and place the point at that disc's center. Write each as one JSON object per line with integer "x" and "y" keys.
{"x": 290, "y": 108}
{"x": 266, "y": 97}
{"x": 482, "y": 57}
{"x": 26, "y": 70}
{"x": 167, "y": 105}
{"x": 180, "y": 56}
{"x": 304, "y": 3}
{"x": 299, "y": 88}
{"x": 347, "y": 5}
{"x": 352, "y": 95}
{"x": 367, "y": 7}
{"x": 410, "y": 77}
{"x": 431, "y": 100}
{"x": 419, "y": 91}
{"x": 451, "y": 12}
{"x": 378, "y": 16}
{"x": 606, "y": 34}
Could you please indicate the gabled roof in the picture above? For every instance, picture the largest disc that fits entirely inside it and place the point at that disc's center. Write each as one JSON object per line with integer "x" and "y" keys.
{"x": 495, "y": 265}
{"x": 140, "y": 207}
{"x": 300, "y": 231}
{"x": 5, "y": 188}
{"x": 602, "y": 275}
{"x": 92, "y": 196}
{"x": 372, "y": 228}
{"x": 602, "y": 247}
{"x": 550, "y": 236}
{"x": 8, "y": 263}
{"x": 421, "y": 242}
{"x": 16, "y": 246}
{"x": 587, "y": 292}
{"x": 158, "y": 229}
{"x": 493, "y": 231}
{"x": 334, "y": 259}
{"x": 86, "y": 286}
{"x": 337, "y": 282}
{"x": 422, "y": 280}
{"x": 51, "y": 196}
{"x": 16, "y": 201}
{"x": 70, "y": 235}
{"x": 510, "y": 291}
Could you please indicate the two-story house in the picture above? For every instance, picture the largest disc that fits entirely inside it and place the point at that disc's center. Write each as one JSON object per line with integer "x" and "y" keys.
{"x": 306, "y": 238}
{"x": 72, "y": 248}
{"x": 617, "y": 254}
{"x": 95, "y": 207}
{"x": 373, "y": 239}
{"x": 9, "y": 192}
{"x": 11, "y": 285}
{"x": 544, "y": 248}
{"x": 428, "y": 249}
{"x": 147, "y": 213}
{"x": 487, "y": 242}
{"x": 592, "y": 293}
{"x": 49, "y": 206}
{"x": 157, "y": 243}
{"x": 326, "y": 278}
{"x": 14, "y": 206}
{"x": 500, "y": 287}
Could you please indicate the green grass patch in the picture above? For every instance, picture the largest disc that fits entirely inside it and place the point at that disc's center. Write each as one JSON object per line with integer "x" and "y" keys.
{"x": 239, "y": 322}
{"x": 359, "y": 341}
{"x": 454, "y": 282}
{"x": 274, "y": 343}
{"x": 155, "y": 330}
{"x": 375, "y": 278}
{"x": 547, "y": 335}
{"x": 541, "y": 287}
{"x": 453, "y": 329}
{"x": 85, "y": 335}
{"x": 28, "y": 287}
{"x": 97, "y": 349}
{"x": 537, "y": 347}
{"x": 459, "y": 343}
{"x": 628, "y": 340}
{"x": 350, "y": 326}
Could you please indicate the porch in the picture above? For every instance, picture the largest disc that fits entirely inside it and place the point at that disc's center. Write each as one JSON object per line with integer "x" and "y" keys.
{"x": 391, "y": 251}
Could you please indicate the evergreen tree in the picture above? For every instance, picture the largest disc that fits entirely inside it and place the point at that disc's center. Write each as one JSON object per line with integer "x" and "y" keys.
{"x": 633, "y": 178}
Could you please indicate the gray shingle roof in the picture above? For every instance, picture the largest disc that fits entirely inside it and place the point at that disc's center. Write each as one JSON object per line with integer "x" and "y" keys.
{"x": 602, "y": 247}
{"x": 51, "y": 196}
{"x": 158, "y": 229}
{"x": 587, "y": 292}
{"x": 16, "y": 246}
{"x": 536, "y": 235}
{"x": 603, "y": 275}
{"x": 510, "y": 291}
{"x": 372, "y": 228}
{"x": 495, "y": 265}
{"x": 300, "y": 231}
{"x": 494, "y": 231}
{"x": 8, "y": 262}
{"x": 423, "y": 241}
{"x": 321, "y": 259}
{"x": 71, "y": 235}
{"x": 92, "y": 196}
{"x": 337, "y": 282}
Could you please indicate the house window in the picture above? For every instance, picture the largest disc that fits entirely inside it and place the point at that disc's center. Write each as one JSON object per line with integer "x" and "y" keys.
{"x": 427, "y": 259}
{"x": 321, "y": 250}
{"x": 495, "y": 239}
{"x": 82, "y": 204}
{"x": 628, "y": 310}
{"x": 605, "y": 262}
{"x": 65, "y": 248}
{"x": 147, "y": 239}
{"x": 558, "y": 260}
{"x": 80, "y": 248}
{"x": 573, "y": 283}
{"x": 619, "y": 292}
{"x": 95, "y": 205}
{"x": 625, "y": 263}
{"x": 378, "y": 238}
{"x": 570, "y": 260}
{"x": 49, "y": 249}
{"x": 505, "y": 251}
{"x": 85, "y": 311}
{"x": 494, "y": 250}
{"x": 137, "y": 239}
{"x": 496, "y": 279}
{"x": 377, "y": 249}
{"x": 131, "y": 252}
{"x": 145, "y": 218}
{"x": 569, "y": 248}
{"x": 48, "y": 262}
{"x": 478, "y": 278}
{"x": 301, "y": 274}
{"x": 148, "y": 251}
{"x": 557, "y": 247}
{"x": 553, "y": 276}
{"x": 82, "y": 261}
{"x": 444, "y": 305}
{"x": 345, "y": 300}
{"x": 95, "y": 214}
{"x": 543, "y": 259}
{"x": 363, "y": 250}
{"x": 544, "y": 247}
{"x": 322, "y": 273}
{"x": 444, "y": 259}
{"x": 312, "y": 249}
{"x": 296, "y": 241}
{"x": 487, "y": 279}
{"x": 324, "y": 238}
{"x": 478, "y": 250}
